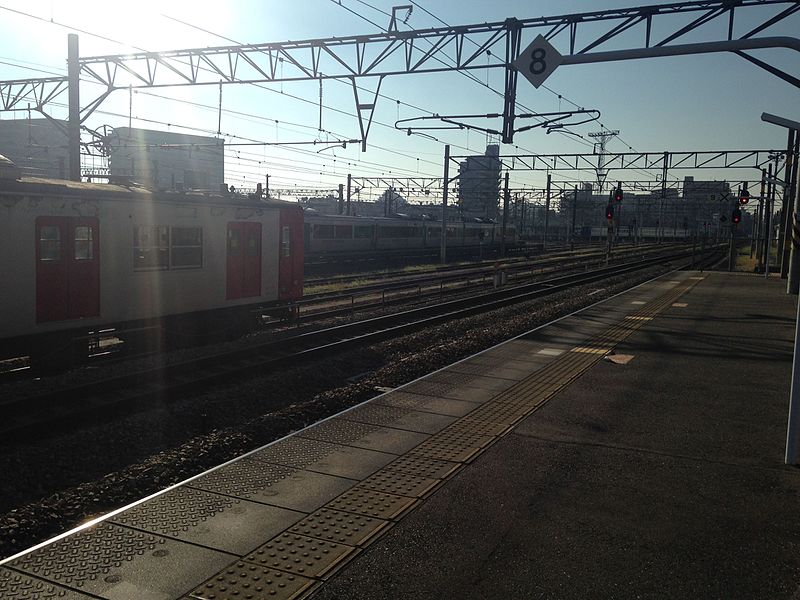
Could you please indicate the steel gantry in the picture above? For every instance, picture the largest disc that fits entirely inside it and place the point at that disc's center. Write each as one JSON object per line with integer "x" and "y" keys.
{"x": 434, "y": 50}
{"x": 702, "y": 159}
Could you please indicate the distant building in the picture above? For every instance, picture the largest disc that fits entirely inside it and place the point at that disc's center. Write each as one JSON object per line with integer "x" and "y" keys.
{"x": 37, "y": 146}
{"x": 166, "y": 160}
{"x": 479, "y": 184}
{"x": 707, "y": 191}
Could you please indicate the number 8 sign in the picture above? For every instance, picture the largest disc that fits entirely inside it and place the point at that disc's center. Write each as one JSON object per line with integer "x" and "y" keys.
{"x": 538, "y": 61}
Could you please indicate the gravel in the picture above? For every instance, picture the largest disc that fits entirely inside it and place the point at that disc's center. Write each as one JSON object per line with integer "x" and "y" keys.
{"x": 61, "y": 482}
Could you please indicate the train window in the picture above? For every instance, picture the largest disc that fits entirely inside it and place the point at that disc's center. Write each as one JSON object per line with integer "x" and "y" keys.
{"x": 49, "y": 243}
{"x": 84, "y": 249}
{"x": 253, "y": 245}
{"x": 150, "y": 248}
{"x": 323, "y": 232}
{"x": 400, "y": 232}
{"x": 286, "y": 241}
{"x": 234, "y": 242}
{"x": 362, "y": 232}
{"x": 187, "y": 247}
{"x": 344, "y": 232}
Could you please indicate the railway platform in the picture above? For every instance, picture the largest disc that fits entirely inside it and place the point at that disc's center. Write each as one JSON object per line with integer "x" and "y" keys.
{"x": 631, "y": 450}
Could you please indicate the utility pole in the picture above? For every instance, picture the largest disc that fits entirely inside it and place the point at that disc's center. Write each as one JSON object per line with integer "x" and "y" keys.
{"x": 768, "y": 222}
{"x": 341, "y": 198}
{"x": 266, "y": 195}
{"x": 604, "y": 137}
{"x": 546, "y": 212}
{"x": 349, "y": 191}
{"x": 663, "y": 198}
{"x": 74, "y": 125}
{"x": 762, "y": 212}
{"x": 446, "y": 183}
{"x": 574, "y": 214}
{"x": 505, "y": 216}
{"x": 786, "y": 207}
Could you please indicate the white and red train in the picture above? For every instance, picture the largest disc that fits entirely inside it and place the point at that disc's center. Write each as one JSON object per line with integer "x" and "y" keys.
{"x": 77, "y": 258}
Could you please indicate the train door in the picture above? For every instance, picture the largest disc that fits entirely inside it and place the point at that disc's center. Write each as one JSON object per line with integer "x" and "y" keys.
{"x": 290, "y": 255}
{"x": 67, "y": 268}
{"x": 243, "y": 260}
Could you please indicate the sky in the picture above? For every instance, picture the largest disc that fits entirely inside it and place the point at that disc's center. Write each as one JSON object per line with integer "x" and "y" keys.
{"x": 700, "y": 102}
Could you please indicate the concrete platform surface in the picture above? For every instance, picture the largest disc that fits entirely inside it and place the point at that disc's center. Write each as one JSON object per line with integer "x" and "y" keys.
{"x": 631, "y": 450}
{"x": 659, "y": 478}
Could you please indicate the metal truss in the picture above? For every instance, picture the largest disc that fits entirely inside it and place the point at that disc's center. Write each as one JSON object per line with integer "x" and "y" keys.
{"x": 434, "y": 50}
{"x": 709, "y": 159}
{"x": 418, "y": 185}
{"x": 19, "y": 93}
{"x": 300, "y": 192}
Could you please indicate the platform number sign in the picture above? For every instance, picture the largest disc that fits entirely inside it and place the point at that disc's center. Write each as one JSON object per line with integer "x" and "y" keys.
{"x": 538, "y": 61}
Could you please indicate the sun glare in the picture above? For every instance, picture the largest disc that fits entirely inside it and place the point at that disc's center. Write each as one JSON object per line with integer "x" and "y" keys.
{"x": 141, "y": 25}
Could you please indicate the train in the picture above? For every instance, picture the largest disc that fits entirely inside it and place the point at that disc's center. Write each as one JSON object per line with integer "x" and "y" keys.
{"x": 330, "y": 235}
{"x": 79, "y": 259}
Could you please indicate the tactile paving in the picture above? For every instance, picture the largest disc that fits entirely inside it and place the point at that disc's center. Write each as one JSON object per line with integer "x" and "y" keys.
{"x": 222, "y": 522}
{"x": 423, "y": 466}
{"x": 364, "y": 435}
{"x": 17, "y": 586}
{"x": 324, "y": 457}
{"x": 295, "y": 452}
{"x": 469, "y": 379}
{"x": 400, "y": 418}
{"x": 399, "y": 483}
{"x": 372, "y": 503}
{"x": 454, "y": 444}
{"x": 340, "y": 527}
{"x": 498, "y": 371}
{"x": 244, "y": 478}
{"x": 432, "y": 404}
{"x": 88, "y": 555}
{"x": 447, "y": 390}
{"x": 247, "y": 580}
{"x": 301, "y": 554}
{"x": 259, "y": 481}
{"x": 119, "y": 563}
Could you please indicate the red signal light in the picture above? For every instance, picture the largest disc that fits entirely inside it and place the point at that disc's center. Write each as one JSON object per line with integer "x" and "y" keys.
{"x": 610, "y": 213}
{"x": 736, "y": 217}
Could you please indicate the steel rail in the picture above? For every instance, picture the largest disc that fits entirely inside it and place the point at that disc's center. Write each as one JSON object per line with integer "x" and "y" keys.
{"x": 50, "y": 413}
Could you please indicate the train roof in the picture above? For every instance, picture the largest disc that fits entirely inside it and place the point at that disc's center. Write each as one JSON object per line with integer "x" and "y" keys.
{"x": 110, "y": 191}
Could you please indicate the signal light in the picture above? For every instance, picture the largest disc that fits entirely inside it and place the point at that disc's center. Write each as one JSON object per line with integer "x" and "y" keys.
{"x": 618, "y": 194}
{"x": 736, "y": 216}
{"x": 610, "y": 213}
{"x": 744, "y": 196}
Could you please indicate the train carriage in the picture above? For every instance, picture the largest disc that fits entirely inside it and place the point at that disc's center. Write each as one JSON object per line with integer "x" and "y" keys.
{"x": 340, "y": 234}
{"x": 79, "y": 257}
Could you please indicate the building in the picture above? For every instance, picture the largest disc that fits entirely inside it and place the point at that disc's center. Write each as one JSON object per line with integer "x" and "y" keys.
{"x": 37, "y": 146}
{"x": 165, "y": 160}
{"x": 479, "y": 185}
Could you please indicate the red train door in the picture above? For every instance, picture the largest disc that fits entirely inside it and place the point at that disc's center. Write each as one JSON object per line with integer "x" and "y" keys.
{"x": 290, "y": 254}
{"x": 67, "y": 268}
{"x": 244, "y": 260}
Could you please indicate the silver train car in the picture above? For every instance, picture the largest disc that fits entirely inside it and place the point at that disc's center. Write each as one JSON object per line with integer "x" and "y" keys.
{"x": 340, "y": 234}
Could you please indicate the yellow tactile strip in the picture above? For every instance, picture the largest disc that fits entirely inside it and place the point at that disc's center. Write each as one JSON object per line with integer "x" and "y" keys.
{"x": 333, "y": 535}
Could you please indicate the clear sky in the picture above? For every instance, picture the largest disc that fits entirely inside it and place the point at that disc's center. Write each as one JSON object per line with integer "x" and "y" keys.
{"x": 707, "y": 102}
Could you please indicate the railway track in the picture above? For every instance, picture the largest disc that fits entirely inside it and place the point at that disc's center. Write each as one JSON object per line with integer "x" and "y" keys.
{"x": 378, "y": 292}
{"x": 108, "y": 399}
{"x": 409, "y": 288}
